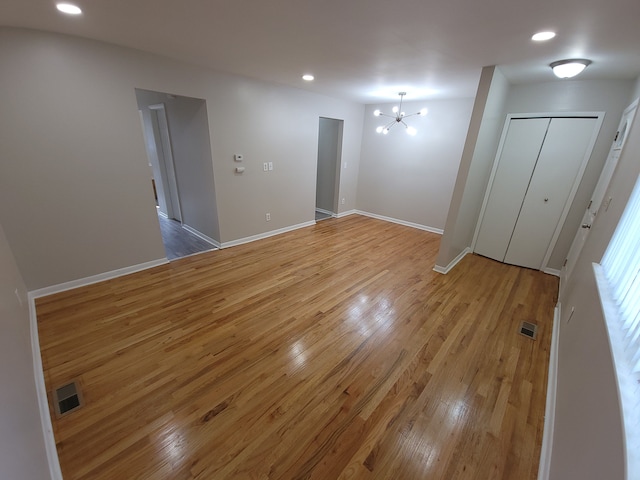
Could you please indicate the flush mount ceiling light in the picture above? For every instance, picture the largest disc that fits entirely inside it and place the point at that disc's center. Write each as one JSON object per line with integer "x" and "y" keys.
{"x": 69, "y": 8}
{"x": 398, "y": 117}
{"x": 308, "y": 77}
{"x": 569, "y": 68}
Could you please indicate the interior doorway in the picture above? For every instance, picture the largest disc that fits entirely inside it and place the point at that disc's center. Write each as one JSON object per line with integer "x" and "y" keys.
{"x": 176, "y": 134}
{"x": 328, "y": 168}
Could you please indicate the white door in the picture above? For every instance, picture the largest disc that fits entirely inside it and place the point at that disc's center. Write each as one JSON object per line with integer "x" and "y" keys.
{"x": 559, "y": 162}
{"x": 516, "y": 162}
{"x": 598, "y": 194}
{"x": 539, "y": 167}
{"x": 164, "y": 151}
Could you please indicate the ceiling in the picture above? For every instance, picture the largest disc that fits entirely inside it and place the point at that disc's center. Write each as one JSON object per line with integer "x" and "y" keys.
{"x": 362, "y": 50}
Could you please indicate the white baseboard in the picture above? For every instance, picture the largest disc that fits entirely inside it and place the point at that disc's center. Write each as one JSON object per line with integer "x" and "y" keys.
{"x": 201, "y": 235}
{"x": 41, "y": 391}
{"x": 453, "y": 263}
{"x": 261, "y": 236}
{"x": 552, "y": 271}
{"x": 326, "y": 212}
{"x": 400, "y": 222}
{"x": 81, "y": 282}
{"x": 550, "y": 409}
{"x": 348, "y": 212}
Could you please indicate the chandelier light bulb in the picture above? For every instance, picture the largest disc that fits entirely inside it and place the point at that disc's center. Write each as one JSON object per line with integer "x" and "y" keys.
{"x": 398, "y": 117}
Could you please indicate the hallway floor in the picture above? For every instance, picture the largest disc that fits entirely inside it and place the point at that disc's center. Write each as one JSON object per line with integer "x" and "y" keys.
{"x": 179, "y": 242}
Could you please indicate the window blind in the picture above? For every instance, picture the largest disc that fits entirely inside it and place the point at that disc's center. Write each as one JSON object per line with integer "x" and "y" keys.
{"x": 618, "y": 279}
{"x": 621, "y": 264}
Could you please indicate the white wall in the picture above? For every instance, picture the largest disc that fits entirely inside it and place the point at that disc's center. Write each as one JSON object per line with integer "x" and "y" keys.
{"x": 74, "y": 197}
{"x": 588, "y": 435}
{"x": 22, "y": 451}
{"x": 475, "y": 166}
{"x": 610, "y": 96}
{"x": 412, "y": 178}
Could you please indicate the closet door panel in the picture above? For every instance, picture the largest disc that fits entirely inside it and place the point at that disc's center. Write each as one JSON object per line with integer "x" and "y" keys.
{"x": 562, "y": 153}
{"x": 517, "y": 160}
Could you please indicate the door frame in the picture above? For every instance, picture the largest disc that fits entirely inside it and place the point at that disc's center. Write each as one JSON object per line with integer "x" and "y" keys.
{"x": 599, "y": 116}
{"x": 338, "y": 166}
{"x": 597, "y": 196}
{"x": 165, "y": 161}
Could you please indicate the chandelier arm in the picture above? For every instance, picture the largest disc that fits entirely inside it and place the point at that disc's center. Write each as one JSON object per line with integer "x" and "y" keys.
{"x": 386, "y": 115}
{"x": 391, "y": 124}
{"x": 411, "y": 115}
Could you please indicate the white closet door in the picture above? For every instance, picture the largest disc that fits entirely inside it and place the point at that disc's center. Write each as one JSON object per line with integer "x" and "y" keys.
{"x": 563, "y": 151}
{"x": 517, "y": 160}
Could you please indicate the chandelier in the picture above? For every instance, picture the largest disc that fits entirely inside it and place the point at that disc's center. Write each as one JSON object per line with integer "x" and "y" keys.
{"x": 398, "y": 117}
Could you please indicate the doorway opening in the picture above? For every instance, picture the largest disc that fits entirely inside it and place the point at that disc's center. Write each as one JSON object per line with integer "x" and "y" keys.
{"x": 176, "y": 134}
{"x": 328, "y": 169}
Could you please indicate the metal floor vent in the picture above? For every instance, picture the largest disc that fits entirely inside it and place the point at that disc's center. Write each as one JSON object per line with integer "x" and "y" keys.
{"x": 67, "y": 399}
{"x": 528, "y": 329}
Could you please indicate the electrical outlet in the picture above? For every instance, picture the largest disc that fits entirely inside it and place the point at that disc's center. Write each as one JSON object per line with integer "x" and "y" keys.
{"x": 342, "y": 201}
{"x": 265, "y": 166}
{"x": 268, "y": 217}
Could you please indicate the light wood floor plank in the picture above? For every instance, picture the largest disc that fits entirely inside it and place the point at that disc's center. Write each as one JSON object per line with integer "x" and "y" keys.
{"x": 330, "y": 352}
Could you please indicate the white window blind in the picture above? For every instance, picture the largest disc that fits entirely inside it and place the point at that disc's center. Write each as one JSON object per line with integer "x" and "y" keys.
{"x": 621, "y": 264}
{"x": 618, "y": 279}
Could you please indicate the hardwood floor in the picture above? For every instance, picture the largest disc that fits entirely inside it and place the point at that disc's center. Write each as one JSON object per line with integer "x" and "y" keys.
{"x": 330, "y": 352}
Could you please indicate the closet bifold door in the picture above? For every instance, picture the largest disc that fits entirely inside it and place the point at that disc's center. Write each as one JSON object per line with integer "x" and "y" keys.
{"x": 516, "y": 163}
{"x": 561, "y": 156}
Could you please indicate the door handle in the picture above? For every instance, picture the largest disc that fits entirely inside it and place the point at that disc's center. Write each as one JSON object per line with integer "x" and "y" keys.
{"x": 585, "y": 225}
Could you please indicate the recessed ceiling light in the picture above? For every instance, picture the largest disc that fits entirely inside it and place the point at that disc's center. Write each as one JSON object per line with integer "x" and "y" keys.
{"x": 69, "y": 8}
{"x": 543, "y": 36}
{"x": 308, "y": 77}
